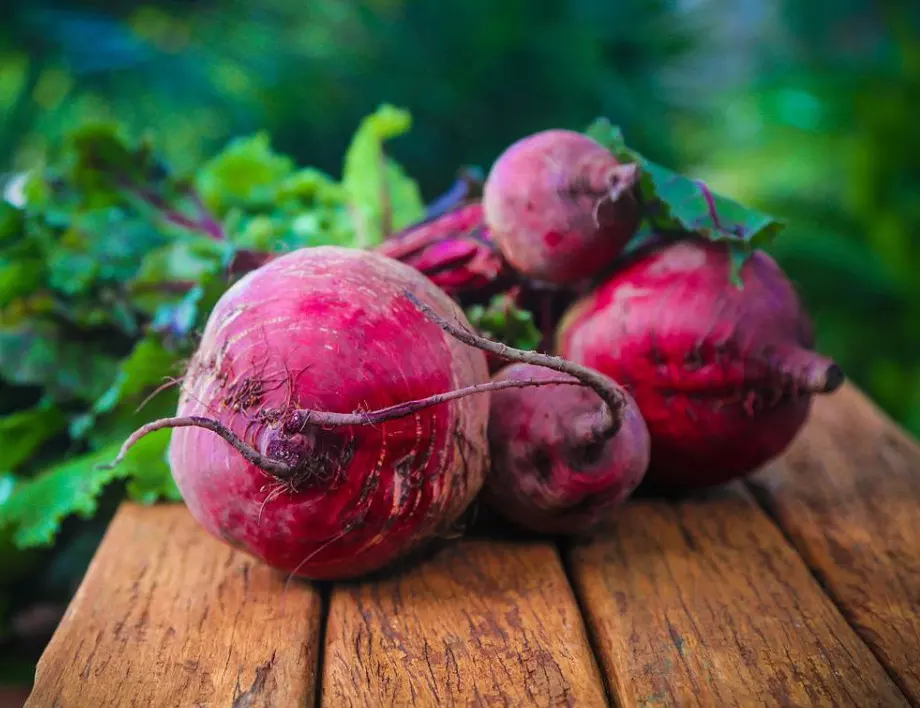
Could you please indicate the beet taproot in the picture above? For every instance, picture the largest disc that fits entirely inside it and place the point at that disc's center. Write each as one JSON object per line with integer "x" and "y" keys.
{"x": 326, "y": 424}
{"x": 552, "y": 470}
{"x": 560, "y": 206}
{"x": 723, "y": 375}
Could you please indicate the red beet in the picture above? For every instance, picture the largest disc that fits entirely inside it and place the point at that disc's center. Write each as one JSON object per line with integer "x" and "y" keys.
{"x": 560, "y": 205}
{"x": 551, "y": 471}
{"x": 724, "y": 376}
{"x": 456, "y": 251}
{"x": 339, "y": 453}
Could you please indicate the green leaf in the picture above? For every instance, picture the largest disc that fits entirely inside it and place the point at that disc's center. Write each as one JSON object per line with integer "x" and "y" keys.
{"x": 676, "y": 202}
{"x": 106, "y": 167}
{"x": 21, "y": 433}
{"x": 19, "y": 277}
{"x": 11, "y": 223}
{"x": 503, "y": 321}
{"x": 38, "y": 353}
{"x": 378, "y": 188}
{"x": 246, "y": 173}
{"x": 36, "y": 507}
{"x": 146, "y": 367}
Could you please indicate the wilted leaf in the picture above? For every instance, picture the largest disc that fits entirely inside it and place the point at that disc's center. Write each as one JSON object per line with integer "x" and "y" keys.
{"x": 378, "y": 188}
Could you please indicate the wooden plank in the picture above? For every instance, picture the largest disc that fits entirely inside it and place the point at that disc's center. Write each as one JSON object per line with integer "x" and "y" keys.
{"x": 480, "y": 624}
{"x": 168, "y": 616}
{"x": 847, "y": 494}
{"x": 704, "y": 603}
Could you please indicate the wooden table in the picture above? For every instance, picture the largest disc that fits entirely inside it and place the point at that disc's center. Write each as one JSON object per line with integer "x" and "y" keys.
{"x": 799, "y": 587}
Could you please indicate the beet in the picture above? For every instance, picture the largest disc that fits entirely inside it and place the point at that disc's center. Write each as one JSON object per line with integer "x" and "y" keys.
{"x": 551, "y": 471}
{"x": 560, "y": 205}
{"x": 724, "y": 375}
{"x": 563, "y": 463}
{"x": 346, "y": 437}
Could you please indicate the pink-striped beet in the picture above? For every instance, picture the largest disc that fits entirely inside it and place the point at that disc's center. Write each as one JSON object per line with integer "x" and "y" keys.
{"x": 291, "y": 357}
{"x": 560, "y": 206}
{"x": 724, "y": 376}
{"x": 551, "y": 471}
{"x": 456, "y": 251}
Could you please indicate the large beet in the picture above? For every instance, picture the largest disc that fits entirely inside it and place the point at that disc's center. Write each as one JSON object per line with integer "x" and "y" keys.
{"x": 724, "y": 376}
{"x": 307, "y": 371}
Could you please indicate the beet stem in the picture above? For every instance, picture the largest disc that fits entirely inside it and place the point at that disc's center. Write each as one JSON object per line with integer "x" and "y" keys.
{"x": 300, "y": 418}
{"x": 274, "y": 467}
{"x": 611, "y": 415}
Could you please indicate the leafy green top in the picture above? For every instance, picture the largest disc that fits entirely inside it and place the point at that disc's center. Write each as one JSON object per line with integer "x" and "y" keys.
{"x": 501, "y": 320}
{"x": 675, "y": 203}
{"x": 110, "y": 262}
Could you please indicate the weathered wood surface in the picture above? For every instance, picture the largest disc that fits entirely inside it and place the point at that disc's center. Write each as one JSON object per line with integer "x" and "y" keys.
{"x": 704, "y": 603}
{"x": 167, "y": 616}
{"x": 847, "y": 494}
{"x": 811, "y": 597}
{"x": 481, "y": 624}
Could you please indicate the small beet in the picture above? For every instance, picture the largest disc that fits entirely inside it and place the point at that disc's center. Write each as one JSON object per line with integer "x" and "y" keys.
{"x": 551, "y": 472}
{"x": 723, "y": 375}
{"x": 559, "y": 473}
{"x": 560, "y": 205}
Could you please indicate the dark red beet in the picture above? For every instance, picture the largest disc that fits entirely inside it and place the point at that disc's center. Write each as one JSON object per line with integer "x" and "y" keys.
{"x": 456, "y": 251}
{"x": 723, "y": 376}
{"x": 550, "y": 472}
{"x": 561, "y": 207}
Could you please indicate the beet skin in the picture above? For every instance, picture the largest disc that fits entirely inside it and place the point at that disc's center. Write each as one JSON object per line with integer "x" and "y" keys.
{"x": 550, "y": 473}
{"x": 329, "y": 329}
{"x": 560, "y": 206}
{"x": 724, "y": 376}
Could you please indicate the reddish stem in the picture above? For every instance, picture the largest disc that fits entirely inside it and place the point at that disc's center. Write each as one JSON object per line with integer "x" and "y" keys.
{"x": 274, "y": 467}
{"x": 300, "y": 418}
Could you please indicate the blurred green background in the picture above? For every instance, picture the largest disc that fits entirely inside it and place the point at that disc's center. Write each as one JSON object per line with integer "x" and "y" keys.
{"x": 806, "y": 110}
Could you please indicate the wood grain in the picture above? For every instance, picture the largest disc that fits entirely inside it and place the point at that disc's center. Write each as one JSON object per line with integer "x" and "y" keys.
{"x": 703, "y": 603}
{"x": 847, "y": 494}
{"x": 481, "y": 624}
{"x": 168, "y": 616}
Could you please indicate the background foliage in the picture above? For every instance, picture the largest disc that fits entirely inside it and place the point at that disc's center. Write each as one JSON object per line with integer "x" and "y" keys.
{"x": 806, "y": 110}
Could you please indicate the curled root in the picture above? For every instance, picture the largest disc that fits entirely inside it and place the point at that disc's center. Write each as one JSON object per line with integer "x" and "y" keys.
{"x": 613, "y": 395}
{"x": 297, "y": 420}
{"x": 274, "y": 467}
